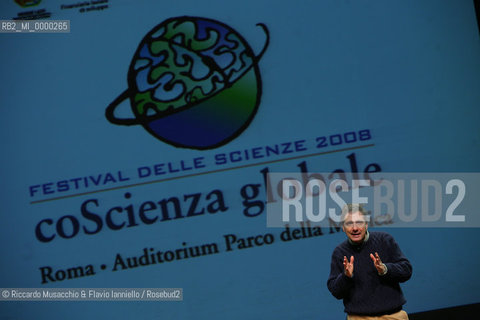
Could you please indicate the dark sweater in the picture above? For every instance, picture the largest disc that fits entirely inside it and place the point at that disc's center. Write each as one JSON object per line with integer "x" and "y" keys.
{"x": 368, "y": 293}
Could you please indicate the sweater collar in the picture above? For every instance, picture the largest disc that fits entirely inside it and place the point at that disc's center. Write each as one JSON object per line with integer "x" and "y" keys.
{"x": 367, "y": 236}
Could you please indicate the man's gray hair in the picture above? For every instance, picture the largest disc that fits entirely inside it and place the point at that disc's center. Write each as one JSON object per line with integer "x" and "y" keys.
{"x": 354, "y": 207}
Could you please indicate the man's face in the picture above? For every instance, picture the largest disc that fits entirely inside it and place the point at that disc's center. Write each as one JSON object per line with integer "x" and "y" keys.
{"x": 355, "y": 227}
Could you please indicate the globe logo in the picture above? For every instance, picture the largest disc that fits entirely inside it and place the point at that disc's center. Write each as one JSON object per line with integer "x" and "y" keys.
{"x": 192, "y": 83}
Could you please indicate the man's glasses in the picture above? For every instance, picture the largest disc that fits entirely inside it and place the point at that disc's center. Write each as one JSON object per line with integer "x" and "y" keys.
{"x": 350, "y": 224}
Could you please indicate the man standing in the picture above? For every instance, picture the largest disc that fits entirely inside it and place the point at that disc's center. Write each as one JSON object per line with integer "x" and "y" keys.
{"x": 366, "y": 270}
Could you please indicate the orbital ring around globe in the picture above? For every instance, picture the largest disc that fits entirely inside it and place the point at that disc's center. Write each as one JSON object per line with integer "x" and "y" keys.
{"x": 217, "y": 108}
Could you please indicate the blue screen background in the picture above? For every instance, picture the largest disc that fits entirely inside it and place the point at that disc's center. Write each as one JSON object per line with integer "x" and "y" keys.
{"x": 407, "y": 72}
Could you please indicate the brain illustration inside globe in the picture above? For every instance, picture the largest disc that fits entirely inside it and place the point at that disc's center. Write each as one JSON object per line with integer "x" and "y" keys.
{"x": 193, "y": 82}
